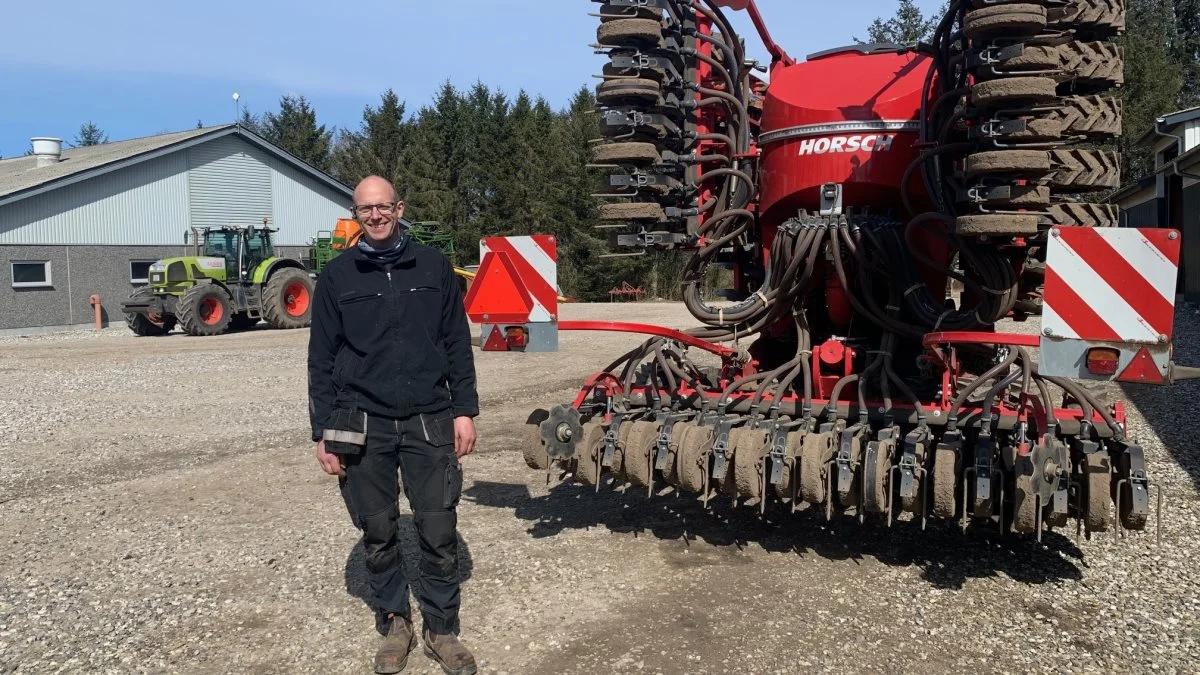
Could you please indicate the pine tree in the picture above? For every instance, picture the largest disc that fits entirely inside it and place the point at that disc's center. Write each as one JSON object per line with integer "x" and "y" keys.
{"x": 89, "y": 134}
{"x": 378, "y": 147}
{"x": 1153, "y": 79}
{"x": 907, "y": 26}
{"x": 294, "y": 128}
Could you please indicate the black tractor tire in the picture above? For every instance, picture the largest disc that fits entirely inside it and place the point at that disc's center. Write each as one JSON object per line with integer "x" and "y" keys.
{"x": 641, "y": 33}
{"x": 634, "y": 91}
{"x": 1008, "y": 161}
{"x": 1095, "y": 118}
{"x": 287, "y": 299}
{"x": 640, "y": 211}
{"x": 1098, "y": 64}
{"x": 1082, "y": 214}
{"x": 1005, "y": 20}
{"x": 995, "y": 224}
{"x": 635, "y": 154}
{"x": 205, "y": 309}
{"x": 1022, "y": 90}
{"x": 1085, "y": 170}
{"x": 148, "y": 325}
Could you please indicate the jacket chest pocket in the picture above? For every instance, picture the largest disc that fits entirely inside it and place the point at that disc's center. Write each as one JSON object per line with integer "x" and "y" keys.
{"x": 421, "y": 306}
{"x": 361, "y": 315}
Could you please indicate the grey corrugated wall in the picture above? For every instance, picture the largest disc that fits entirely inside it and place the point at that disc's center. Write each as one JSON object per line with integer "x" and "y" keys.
{"x": 226, "y": 180}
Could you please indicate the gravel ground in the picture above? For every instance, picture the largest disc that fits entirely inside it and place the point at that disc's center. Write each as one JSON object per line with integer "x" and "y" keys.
{"x": 163, "y": 512}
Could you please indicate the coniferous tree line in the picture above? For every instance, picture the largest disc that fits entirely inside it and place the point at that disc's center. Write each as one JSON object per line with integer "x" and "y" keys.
{"x": 482, "y": 163}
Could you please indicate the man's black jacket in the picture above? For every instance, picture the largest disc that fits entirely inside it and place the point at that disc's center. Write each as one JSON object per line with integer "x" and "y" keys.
{"x": 389, "y": 339}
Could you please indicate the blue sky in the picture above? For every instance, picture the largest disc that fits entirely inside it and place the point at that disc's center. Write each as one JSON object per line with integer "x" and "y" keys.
{"x": 141, "y": 67}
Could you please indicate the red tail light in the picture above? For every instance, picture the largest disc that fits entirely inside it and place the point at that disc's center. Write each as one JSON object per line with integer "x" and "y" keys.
{"x": 1103, "y": 360}
{"x": 515, "y": 337}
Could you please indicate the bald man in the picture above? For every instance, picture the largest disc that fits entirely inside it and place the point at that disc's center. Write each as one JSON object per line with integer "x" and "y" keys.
{"x": 391, "y": 382}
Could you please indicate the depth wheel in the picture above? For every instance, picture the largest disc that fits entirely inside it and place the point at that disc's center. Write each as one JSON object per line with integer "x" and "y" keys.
{"x": 533, "y": 448}
{"x": 641, "y": 33}
{"x": 997, "y": 224}
{"x": 628, "y": 91}
{"x": 633, "y": 211}
{"x": 1008, "y": 19}
{"x": 1015, "y": 89}
{"x": 635, "y": 154}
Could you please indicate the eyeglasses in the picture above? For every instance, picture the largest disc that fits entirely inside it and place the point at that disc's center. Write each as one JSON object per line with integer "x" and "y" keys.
{"x": 364, "y": 210}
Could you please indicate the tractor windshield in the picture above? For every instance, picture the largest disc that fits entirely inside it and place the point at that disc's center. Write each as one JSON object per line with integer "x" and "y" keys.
{"x": 219, "y": 244}
{"x": 258, "y": 248}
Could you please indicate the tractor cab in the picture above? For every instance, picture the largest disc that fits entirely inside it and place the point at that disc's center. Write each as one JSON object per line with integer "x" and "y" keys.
{"x": 242, "y": 248}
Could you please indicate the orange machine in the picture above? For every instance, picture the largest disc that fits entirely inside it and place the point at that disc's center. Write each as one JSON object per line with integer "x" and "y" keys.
{"x": 346, "y": 233}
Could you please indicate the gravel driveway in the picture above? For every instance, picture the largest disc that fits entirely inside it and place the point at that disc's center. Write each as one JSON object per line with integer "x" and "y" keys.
{"x": 162, "y": 512}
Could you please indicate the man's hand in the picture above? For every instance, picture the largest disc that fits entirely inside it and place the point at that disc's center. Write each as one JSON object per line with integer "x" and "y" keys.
{"x": 464, "y": 436}
{"x": 330, "y": 463}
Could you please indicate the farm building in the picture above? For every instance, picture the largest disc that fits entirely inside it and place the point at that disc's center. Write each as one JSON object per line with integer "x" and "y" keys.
{"x": 91, "y": 220}
{"x": 1170, "y": 197}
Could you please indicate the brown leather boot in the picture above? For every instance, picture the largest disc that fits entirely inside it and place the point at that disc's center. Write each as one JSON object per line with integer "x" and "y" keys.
{"x": 401, "y": 639}
{"x": 450, "y": 654}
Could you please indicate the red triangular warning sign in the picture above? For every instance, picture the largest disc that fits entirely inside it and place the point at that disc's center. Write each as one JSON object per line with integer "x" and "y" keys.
{"x": 497, "y": 295}
{"x": 1142, "y": 369}
{"x": 495, "y": 341}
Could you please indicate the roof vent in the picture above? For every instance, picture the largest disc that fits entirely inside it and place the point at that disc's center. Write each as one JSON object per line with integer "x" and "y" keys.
{"x": 47, "y": 150}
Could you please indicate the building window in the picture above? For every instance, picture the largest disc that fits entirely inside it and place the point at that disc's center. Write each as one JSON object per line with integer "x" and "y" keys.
{"x": 139, "y": 271}
{"x": 31, "y": 274}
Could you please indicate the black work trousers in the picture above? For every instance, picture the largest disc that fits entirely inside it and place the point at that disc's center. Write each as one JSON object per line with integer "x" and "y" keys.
{"x": 421, "y": 449}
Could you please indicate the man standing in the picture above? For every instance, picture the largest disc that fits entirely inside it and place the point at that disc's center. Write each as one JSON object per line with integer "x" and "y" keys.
{"x": 391, "y": 381}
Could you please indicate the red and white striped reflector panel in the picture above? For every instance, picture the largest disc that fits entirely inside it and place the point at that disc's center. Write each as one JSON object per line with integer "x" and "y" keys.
{"x": 1111, "y": 284}
{"x": 517, "y": 280}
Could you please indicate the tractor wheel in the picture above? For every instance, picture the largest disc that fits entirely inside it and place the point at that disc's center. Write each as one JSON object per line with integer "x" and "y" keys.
{"x": 205, "y": 309}
{"x": 287, "y": 299}
{"x": 149, "y": 324}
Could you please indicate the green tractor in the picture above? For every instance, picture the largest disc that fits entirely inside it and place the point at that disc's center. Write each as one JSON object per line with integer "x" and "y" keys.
{"x": 232, "y": 280}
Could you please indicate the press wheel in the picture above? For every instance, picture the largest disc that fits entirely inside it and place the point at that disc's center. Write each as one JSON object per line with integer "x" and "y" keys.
{"x": 694, "y": 445}
{"x": 639, "y": 452}
{"x": 589, "y": 452}
{"x": 816, "y": 452}
{"x": 945, "y": 481}
{"x": 748, "y": 462}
